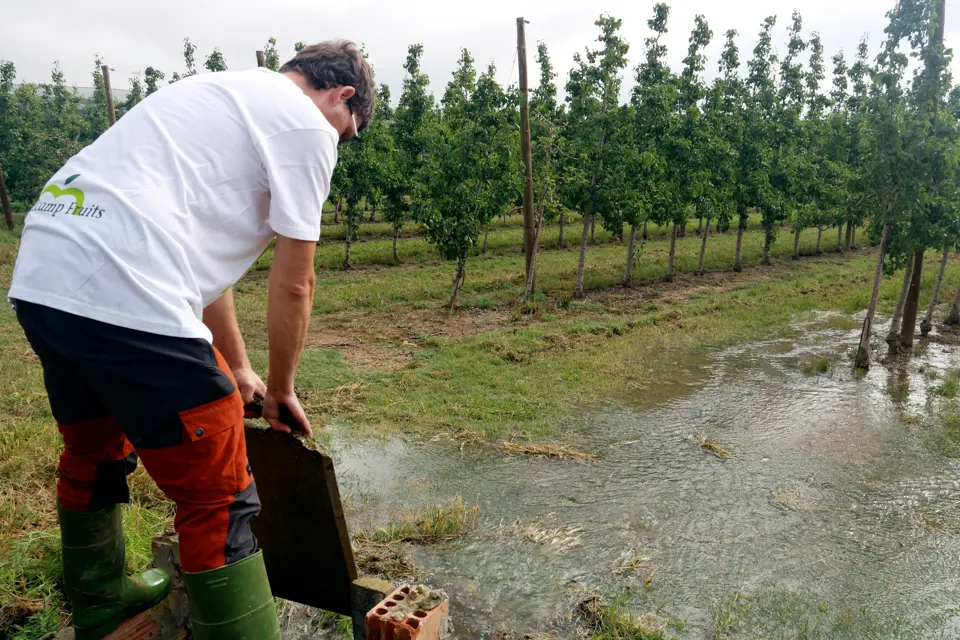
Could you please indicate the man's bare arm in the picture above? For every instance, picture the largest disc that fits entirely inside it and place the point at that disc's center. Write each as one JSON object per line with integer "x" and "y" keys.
{"x": 221, "y": 318}
{"x": 290, "y": 302}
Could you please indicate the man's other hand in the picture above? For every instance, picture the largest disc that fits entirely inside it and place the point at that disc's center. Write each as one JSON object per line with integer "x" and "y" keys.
{"x": 274, "y": 403}
{"x": 249, "y": 384}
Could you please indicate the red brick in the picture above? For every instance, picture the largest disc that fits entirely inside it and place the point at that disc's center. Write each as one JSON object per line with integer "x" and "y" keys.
{"x": 415, "y": 625}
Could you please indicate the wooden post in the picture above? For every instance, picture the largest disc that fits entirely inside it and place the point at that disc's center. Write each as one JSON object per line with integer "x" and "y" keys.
{"x": 111, "y": 112}
{"x": 261, "y": 60}
{"x": 5, "y": 201}
{"x": 529, "y": 224}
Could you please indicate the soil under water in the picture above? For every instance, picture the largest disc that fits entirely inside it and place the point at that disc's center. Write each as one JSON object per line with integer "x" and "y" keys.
{"x": 826, "y": 490}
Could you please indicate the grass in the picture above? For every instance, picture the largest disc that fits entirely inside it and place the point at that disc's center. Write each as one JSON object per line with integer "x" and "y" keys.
{"x": 496, "y": 369}
{"x": 950, "y": 386}
{"x": 442, "y": 522}
{"x": 777, "y": 613}
{"x": 612, "y": 621}
{"x": 816, "y": 365}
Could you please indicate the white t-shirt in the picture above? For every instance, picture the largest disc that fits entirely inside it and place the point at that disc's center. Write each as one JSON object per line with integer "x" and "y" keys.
{"x": 170, "y": 207}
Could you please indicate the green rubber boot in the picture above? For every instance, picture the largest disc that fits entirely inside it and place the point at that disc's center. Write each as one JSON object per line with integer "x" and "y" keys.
{"x": 94, "y": 576}
{"x": 233, "y": 602}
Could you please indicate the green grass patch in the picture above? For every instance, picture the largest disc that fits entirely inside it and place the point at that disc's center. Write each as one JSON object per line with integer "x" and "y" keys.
{"x": 950, "y": 386}
{"x": 442, "y": 522}
{"x": 779, "y": 613}
{"x": 816, "y": 365}
{"x": 614, "y": 621}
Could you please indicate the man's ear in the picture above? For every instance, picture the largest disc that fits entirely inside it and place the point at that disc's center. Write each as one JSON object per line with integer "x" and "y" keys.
{"x": 346, "y": 93}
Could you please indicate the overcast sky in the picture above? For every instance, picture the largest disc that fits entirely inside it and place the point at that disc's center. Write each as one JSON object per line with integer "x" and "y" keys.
{"x": 132, "y": 35}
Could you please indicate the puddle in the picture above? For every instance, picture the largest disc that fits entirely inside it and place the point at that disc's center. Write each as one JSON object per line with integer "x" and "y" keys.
{"x": 826, "y": 492}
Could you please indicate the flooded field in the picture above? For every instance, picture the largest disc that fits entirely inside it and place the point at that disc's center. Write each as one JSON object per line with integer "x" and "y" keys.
{"x": 761, "y": 490}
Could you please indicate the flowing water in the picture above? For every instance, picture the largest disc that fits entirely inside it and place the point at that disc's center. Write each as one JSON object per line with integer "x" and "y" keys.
{"x": 827, "y": 492}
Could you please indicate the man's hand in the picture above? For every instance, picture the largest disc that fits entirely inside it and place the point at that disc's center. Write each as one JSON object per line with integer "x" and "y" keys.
{"x": 273, "y": 404}
{"x": 249, "y": 383}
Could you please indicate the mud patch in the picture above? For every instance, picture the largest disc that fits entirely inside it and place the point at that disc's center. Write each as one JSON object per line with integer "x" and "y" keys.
{"x": 388, "y": 560}
{"x": 388, "y": 341}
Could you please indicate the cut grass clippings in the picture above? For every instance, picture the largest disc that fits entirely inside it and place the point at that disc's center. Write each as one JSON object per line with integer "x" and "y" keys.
{"x": 709, "y": 446}
{"x": 556, "y": 451}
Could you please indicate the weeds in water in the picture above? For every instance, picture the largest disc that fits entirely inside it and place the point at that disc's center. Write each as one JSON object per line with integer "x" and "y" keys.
{"x": 443, "y": 522}
{"x": 709, "y": 446}
{"x": 556, "y": 451}
{"x": 613, "y": 622}
{"x": 777, "y": 612}
{"x": 950, "y": 386}
{"x": 816, "y": 365}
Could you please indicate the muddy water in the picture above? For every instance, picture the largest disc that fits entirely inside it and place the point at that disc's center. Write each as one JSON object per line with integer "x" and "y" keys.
{"x": 828, "y": 491}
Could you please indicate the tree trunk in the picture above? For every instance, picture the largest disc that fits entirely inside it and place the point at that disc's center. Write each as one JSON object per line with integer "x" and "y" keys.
{"x": 796, "y": 244}
{"x": 593, "y": 226}
{"x": 532, "y": 265}
{"x": 373, "y": 212}
{"x": 5, "y": 203}
{"x": 578, "y": 292}
{"x": 953, "y": 318}
{"x": 862, "y": 360}
{"x": 912, "y": 307}
{"x": 673, "y": 252}
{"x": 628, "y": 276}
{"x": 349, "y": 239}
{"x": 645, "y": 236}
{"x": 738, "y": 258}
{"x": 682, "y": 230}
{"x": 927, "y": 323}
{"x": 700, "y": 225}
{"x": 853, "y": 238}
{"x": 767, "y": 242}
{"x": 840, "y": 238}
{"x": 560, "y": 242}
{"x": 336, "y": 212}
{"x": 847, "y": 238}
{"x": 486, "y": 234}
{"x": 819, "y": 240}
{"x": 457, "y": 281}
{"x": 703, "y": 247}
{"x": 893, "y": 336}
{"x": 718, "y": 227}
{"x": 396, "y": 236}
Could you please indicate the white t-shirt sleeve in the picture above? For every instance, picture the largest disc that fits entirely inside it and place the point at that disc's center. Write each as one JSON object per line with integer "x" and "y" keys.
{"x": 299, "y": 166}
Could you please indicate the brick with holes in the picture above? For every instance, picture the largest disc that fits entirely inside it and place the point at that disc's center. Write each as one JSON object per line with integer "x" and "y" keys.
{"x": 409, "y": 613}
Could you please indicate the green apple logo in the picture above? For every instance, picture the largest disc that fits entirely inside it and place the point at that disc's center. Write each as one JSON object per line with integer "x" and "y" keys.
{"x": 77, "y": 194}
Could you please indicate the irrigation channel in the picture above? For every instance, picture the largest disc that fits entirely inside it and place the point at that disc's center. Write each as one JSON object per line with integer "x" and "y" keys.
{"x": 831, "y": 502}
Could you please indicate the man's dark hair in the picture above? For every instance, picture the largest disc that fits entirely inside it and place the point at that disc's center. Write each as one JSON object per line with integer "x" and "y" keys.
{"x": 338, "y": 63}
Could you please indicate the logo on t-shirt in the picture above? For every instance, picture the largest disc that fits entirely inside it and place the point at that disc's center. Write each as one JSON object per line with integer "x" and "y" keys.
{"x": 75, "y": 208}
